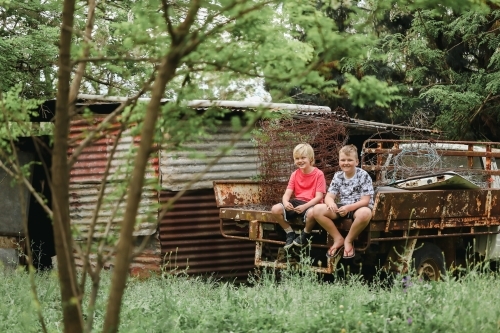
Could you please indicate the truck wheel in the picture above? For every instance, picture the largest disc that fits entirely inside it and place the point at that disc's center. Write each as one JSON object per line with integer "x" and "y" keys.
{"x": 428, "y": 261}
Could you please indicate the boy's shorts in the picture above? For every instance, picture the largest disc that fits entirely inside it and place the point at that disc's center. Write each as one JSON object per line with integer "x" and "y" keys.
{"x": 349, "y": 215}
{"x": 291, "y": 214}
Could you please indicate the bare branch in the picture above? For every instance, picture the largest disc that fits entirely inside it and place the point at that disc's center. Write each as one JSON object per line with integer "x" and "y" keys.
{"x": 109, "y": 84}
{"x": 480, "y": 107}
{"x": 90, "y": 235}
{"x": 166, "y": 16}
{"x": 212, "y": 17}
{"x": 222, "y": 66}
{"x": 197, "y": 40}
{"x": 473, "y": 36}
{"x": 183, "y": 29}
{"x": 117, "y": 58}
{"x": 77, "y": 80}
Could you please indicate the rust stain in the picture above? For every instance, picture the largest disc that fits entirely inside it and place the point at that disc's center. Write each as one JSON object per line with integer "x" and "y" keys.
{"x": 237, "y": 193}
{"x": 478, "y": 203}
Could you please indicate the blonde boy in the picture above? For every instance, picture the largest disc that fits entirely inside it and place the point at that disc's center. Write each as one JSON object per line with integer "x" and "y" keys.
{"x": 354, "y": 190}
{"x": 308, "y": 185}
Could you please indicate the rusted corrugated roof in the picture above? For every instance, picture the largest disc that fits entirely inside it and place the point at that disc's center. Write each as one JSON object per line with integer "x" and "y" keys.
{"x": 190, "y": 238}
{"x": 106, "y": 104}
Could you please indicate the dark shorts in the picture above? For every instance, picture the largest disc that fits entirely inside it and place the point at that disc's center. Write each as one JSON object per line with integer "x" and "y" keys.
{"x": 290, "y": 214}
{"x": 349, "y": 215}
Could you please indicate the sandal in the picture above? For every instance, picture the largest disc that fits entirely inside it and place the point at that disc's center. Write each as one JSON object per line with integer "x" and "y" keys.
{"x": 350, "y": 254}
{"x": 336, "y": 252}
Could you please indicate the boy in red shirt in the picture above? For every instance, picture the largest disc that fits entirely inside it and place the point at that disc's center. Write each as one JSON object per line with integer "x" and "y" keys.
{"x": 308, "y": 185}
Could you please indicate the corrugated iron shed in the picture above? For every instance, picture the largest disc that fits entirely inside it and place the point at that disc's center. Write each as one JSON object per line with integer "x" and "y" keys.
{"x": 88, "y": 172}
{"x": 188, "y": 237}
{"x": 179, "y": 168}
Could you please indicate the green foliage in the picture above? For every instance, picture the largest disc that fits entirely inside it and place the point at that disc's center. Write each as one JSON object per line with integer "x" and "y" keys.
{"x": 414, "y": 57}
{"x": 28, "y": 46}
{"x": 15, "y": 115}
{"x": 370, "y": 90}
{"x": 177, "y": 303}
{"x": 445, "y": 60}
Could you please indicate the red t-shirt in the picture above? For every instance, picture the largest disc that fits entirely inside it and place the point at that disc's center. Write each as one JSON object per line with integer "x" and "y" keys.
{"x": 305, "y": 186}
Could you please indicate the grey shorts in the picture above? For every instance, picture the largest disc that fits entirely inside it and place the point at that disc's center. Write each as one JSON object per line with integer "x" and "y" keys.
{"x": 290, "y": 214}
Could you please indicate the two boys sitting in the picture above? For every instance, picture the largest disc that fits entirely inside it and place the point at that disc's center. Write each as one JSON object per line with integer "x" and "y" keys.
{"x": 352, "y": 187}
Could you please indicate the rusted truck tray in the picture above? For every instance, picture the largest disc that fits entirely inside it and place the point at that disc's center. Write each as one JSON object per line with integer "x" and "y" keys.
{"x": 395, "y": 210}
{"x": 397, "y": 215}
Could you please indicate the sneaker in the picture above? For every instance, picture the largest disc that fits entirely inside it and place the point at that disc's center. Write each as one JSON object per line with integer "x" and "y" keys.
{"x": 303, "y": 239}
{"x": 290, "y": 236}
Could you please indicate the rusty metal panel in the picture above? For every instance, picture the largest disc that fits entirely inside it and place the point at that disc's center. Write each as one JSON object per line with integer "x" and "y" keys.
{"x": 89, "y": 170}
{"x": 11, "y": 219}
{"x": 250, "y": 215}
{"x": 190, "y": 238}
{"x": 237, "y": 193}
{"x": 143, "y": 265}
{"x": 83, "y": 200}
{"x": 180, "y": 167}
{"x": 91, "y": 164}
{"x": 403, "y": 210}
{"x": 432, "y": 204}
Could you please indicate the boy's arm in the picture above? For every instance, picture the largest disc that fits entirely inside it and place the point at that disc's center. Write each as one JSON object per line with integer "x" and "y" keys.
{"x": 319, "y": 195}
{"x": 363, "y": 202}
{"x": 286, "y": 199}
{"x": 330, "y": 202}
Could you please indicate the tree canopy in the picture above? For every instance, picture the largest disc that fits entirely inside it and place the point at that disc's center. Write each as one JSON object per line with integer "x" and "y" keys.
{"x": 439, "y": 63}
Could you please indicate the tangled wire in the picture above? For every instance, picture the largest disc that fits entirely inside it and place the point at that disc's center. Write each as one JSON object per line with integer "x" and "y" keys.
{"x": 276, "y": 139}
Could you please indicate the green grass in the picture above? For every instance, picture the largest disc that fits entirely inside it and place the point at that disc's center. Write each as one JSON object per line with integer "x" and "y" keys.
{"x": 298, "y": 303}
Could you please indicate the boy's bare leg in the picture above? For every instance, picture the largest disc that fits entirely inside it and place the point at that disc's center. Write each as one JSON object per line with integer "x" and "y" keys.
{"x": 310, "y": 221}
{"x": 361, "y": 219}
{"x": 325, "y": 218}
{"x": 278, "y": 209}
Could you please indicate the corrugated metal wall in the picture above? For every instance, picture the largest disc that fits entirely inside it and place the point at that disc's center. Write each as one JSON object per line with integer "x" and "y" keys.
{"x": 177, "y": 168}
{"x": 147, "y": 262}
{"x": 85, "y": 178}
{"x": 88, "y": 171}
{"x": 190, "y": 238}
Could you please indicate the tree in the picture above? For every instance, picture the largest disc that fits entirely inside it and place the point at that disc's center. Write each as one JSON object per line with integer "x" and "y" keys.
{"x": 28, "y": 46}
{"x": 442, "y": 61}
{"x": 172, "y": 49}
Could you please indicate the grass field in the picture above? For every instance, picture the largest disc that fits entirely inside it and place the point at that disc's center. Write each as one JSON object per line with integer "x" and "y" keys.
{"x": 298, "y": 303}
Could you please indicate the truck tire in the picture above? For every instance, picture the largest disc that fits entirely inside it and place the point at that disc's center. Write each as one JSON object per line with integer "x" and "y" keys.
{"x": 428, "y": 261}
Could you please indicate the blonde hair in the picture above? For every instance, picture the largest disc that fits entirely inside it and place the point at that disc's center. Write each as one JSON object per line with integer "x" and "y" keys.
{"x": 304, "y": 149}
{"x": 349, "y": 150}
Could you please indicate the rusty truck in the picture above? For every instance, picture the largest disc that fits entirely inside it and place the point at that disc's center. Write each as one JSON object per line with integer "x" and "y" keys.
{"x": 436, "y": 207}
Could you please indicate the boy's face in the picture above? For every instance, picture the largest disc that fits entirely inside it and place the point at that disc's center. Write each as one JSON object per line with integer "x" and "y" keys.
{"x": 348, "y": 162}
{"x": 302, "y": 162}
